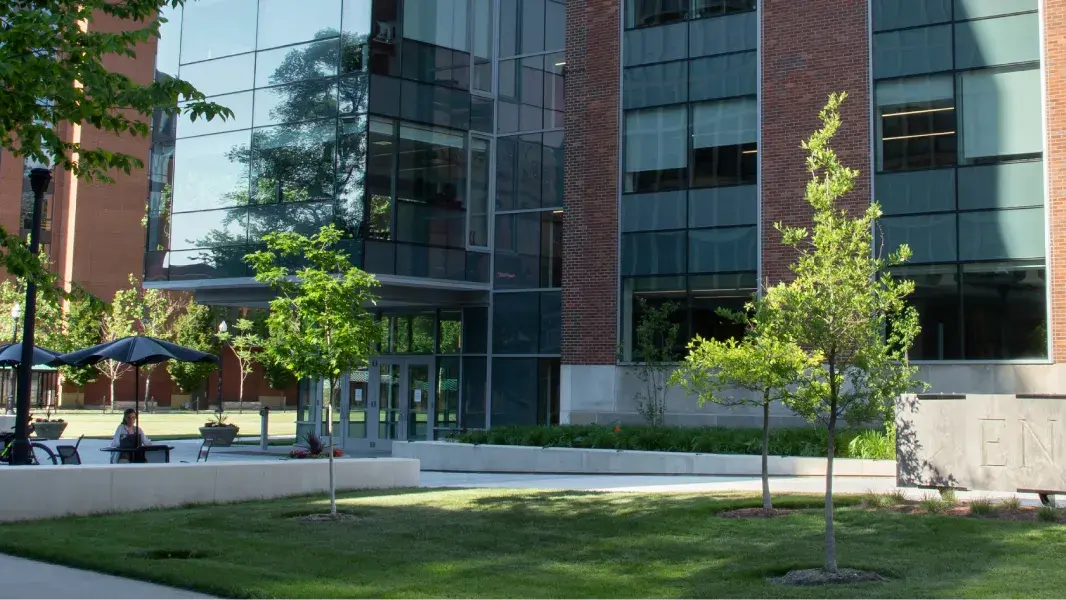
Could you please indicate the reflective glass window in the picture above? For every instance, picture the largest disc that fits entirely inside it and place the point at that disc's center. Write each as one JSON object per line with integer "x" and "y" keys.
{"x": 482, "y": 44}
{"x": 221, "y": 76}
{"x": 296, "y": 63}
{"x": 518, "y": 251}
{"x": 384, "y": 46}
{"x": 380, "y": 177}
{"x": 351, "y": 174}
{"x": 723, "y": 250}
{"x": 655, "y": 85}
{"x": 655, "y": 149}
{"x": 208, "y": 229}
{"x": 899, "y": 14}
{"x": 514, "y": 392}
{"x": 1001, "y": 115}
{"x": 516, "y": 323}
{"x": 305, "y": 218}
{"x": 217, "y": 28}
{"x": 475, "y": 379}
{"x": 916, "y": 123}
{"x": 644, "y": 13}
{"x": 977, "y": 9}
{"x": 241, "y": 105}
{"x": 936, "y": 298}
{"x": 168, "y": 50}
{"x": 658, "y": 253}
{"x": 480, "y": 173}
{"x": 294, "y": 102}
{"x": 723, "y": 76}
{"x": 434, "y": 104}
{"x": 551, "y": 316}
{"x": 294, "y": 163}
{"x": 1004, "y": 310}
{"x": 430, "y": 187}
{"x": 211, "y": 171}
{"x": 283, "y": 22}
{"x": 724, "y": 142}
{"x": 1002, "y": 41}
{"x": 913, "y": 51}
{"x": 475, "y": 329}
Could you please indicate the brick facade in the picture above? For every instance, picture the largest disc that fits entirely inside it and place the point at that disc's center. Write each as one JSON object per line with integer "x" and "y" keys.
{"x": 1054, "y": 19}
{"x": 803, "y": 61}
{"x": 590, "y": 227}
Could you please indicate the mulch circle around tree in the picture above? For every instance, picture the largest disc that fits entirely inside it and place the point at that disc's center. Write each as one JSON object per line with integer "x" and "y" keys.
{"x": 823, "y": 577}
{"x": 755, "y": 513}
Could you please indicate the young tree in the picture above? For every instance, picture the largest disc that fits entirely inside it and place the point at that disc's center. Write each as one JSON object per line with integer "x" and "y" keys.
{"x": 245, "y": 345}
{"x": 118, "y": 322}
{"x": 81, "y": 329}
{"x": 761, "y": 365}
{"x": 194, "y": 328}
{"x": 320, "y": 326}
{"x": 54, "y": 73}
{"x": 655, "y": 339}
{"x": 156, "y": 312}
{"x": 851, "y": 318}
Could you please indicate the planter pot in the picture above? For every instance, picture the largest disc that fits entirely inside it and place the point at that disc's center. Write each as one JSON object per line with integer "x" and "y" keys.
{"x": 220, "y": 436}
{"x": 49, "y": 431}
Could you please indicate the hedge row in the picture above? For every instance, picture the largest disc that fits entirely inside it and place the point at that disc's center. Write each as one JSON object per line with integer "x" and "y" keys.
{"x": 797, "y": 441}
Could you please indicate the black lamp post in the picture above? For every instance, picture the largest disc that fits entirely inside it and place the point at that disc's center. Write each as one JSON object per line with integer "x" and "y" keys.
{"x": 16, "y": 312}
{"x": 40, "y": 177}
{"x": 222, "y": 329}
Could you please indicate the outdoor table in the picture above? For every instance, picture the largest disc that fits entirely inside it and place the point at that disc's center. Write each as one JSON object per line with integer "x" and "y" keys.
{"x": 138, "y": 453}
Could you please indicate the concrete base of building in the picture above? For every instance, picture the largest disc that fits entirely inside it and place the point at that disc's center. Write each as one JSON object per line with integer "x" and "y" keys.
{"x": 470, "y": 458}
{"x": 44, "y": 492}
{"x": 607, "y": 394}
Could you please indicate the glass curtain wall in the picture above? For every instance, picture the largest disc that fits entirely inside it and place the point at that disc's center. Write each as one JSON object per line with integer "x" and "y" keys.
{"x": 690, "y": 155}
{"x": 960, "y": 171}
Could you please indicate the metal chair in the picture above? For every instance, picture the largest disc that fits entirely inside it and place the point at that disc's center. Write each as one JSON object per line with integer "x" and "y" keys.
{"x": 204, "y": 454}
{"x": 68, "y": 455}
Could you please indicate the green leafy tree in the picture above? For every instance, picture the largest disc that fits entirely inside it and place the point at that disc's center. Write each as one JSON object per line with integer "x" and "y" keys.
{"x": 157, "y": 312}
{"x": 53, "y": 71}
{"x": 81, "y": 329}
{"x": 119, "y": 321}
{"x": 245, "y": 345}
{"x": 756, "y": 371}
{"x": 194, "y": 328}
{"x": 319, "y": 323}
{"x": 657, "y": 333}
{"x": 852, "y": 321}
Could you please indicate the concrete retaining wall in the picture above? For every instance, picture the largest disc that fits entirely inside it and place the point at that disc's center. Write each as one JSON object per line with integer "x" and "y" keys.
{"x": 448, "y": 456}
{"x": 48, "y": 491}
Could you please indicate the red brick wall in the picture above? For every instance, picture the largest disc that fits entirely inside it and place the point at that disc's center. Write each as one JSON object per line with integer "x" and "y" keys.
{"x": 807, "y": 53}
{"x": 590, "y": 225}
{"x": 1055, "y": 71}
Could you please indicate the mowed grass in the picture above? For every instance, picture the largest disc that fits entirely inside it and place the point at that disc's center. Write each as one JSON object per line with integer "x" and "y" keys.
{"x": 172, "y": 425}
{"x": 507, "y": 544}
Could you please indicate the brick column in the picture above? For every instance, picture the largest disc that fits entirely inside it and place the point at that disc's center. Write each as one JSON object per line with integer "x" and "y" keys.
{"x": 1054, "y": 19}
{"x": 805, "y": 55}
{"x": 590, "y": 225}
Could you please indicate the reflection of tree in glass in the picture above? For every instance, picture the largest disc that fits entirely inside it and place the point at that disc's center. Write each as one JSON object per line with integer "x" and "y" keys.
{"x": 297, "y": 169}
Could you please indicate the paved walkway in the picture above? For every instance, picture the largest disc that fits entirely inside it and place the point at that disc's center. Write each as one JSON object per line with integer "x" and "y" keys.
{"x": 31, "y": 579}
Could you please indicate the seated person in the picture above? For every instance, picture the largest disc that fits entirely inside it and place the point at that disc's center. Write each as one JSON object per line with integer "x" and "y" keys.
{"x": 128, "y": 434}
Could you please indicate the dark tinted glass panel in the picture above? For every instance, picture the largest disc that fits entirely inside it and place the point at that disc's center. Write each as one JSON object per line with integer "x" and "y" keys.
{"x": 208, "y": 229}
{"x": 480, "y": 174}
{"x": 434, "y": 104}
{"x": 207, "y": 264}
{"x": 655, "y": 44}
{"x": 221, "y": 76}
{"x": 917, "y": 124}
{"x": 446, "y": 405}
{"x": 553, "y": 165}
{"x": 385, "y": 96}
{"x": 548, "y": 397}
{"x": 216, "y": 28}
{"x": 551, "y": 249}
{"x": 655, "y": 299}
{"x": 304, "y": 101}
{"x": 477, "y": 266}
{"x": 555, "y": 25}
{"x": 707, "y": 323}
{"x": 481, "y": 114}
{"x": 475, "y": 330}
{"x": 475, "y": 377}
{"x": 651, "y": 212}
{"x": 353, "y": 95}
{"x": 655, "y": 149}
{"x": 380, "y": 176}
{"x": 724, "y": 165}
{"x": 551, "y": 313}
{"x": 723, "y": 76}
{"x": 1004, "y": 311}
{"x": 514, "y": 392}
{"x": 436, "y": 64}
{"x": 294, "y": 163}
{"x": 516, "y": 323}
{"x": 724, "y": 135}
{"x": 913, "y": 51}
{"x": 654, "y": 253}
{"x": 506, "y": 173}
{"x": 714, "y": 8}
{"x": 296, "y": 63}
{"x": 936, "y": 298}
{"x": 655, "y": 85}
{"x": 413, "y": 260}
{"x": 530, "y": 170}
{"x": 430, "y": 187}
{"x": 483, "y": 33}
{"x": 732, "y": 33}
{"x": 644, "y": 13}
{"x": 518, "y": 258}
{"x": 897, "y": 14}
{"x": 384, "y": 49}
{"x": 352, "y": 174}
{"x": 723, "y": 250}
{"x": 211, "y": 171}
{"x": 283, "y": 22}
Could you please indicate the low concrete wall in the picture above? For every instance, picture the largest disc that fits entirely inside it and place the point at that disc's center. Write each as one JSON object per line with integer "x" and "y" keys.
{"x": 48, "y": 491}
{"x": 1000, "y": 443}
{"x": 448, "y": 456}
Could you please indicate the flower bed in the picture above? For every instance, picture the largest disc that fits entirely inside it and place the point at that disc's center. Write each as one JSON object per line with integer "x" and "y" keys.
{"x": 795, "y": 441}
{"x": 304, "y": 453}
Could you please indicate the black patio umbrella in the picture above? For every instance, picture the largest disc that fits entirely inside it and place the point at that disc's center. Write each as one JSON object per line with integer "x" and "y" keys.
{"x": 137, "y": 351}
{"x": 11, "y": 356}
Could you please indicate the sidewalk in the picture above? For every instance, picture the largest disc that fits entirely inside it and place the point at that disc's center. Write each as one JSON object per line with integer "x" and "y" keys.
{"x": 31, "y": 579}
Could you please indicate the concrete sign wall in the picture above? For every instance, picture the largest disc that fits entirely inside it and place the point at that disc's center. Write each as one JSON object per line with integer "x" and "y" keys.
{"x": 982, "y": 442}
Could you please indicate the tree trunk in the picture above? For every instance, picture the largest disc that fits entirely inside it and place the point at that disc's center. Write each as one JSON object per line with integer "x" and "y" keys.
{"x": 240, "y": 399}
{"x": 332, "y": 485}
{"x": 112, "y": 380}
{"x": 147, "y": 385}
{"x": 830, "y": 533}
{"x": 767, "y": 503}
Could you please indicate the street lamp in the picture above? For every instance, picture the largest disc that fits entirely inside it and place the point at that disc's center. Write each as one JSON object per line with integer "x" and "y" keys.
{"x": 222, "y": 329}
{"x": 40, "y": 177}
{"x": 16, "y": 312}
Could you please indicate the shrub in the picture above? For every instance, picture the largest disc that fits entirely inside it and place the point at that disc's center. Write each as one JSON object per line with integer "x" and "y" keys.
{"x": 948, "y": 496}
{"x": 1012, "y": 504}
{"x": 934, "y": 505}
{"x": 1049, "y": 514}
{"x": 798, "y": 441}
{"x": 983, "y": 507}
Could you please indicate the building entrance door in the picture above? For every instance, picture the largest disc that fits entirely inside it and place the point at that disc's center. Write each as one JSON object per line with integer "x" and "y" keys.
{"x": 391, "y": 400}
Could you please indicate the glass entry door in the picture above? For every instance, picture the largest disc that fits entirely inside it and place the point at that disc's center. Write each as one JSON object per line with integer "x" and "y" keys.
{"x": 391, "y": 400}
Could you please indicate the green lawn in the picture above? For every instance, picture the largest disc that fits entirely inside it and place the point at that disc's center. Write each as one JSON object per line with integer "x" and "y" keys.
{"x": 493, "y": 543}
{"x": 172, "y": 425}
